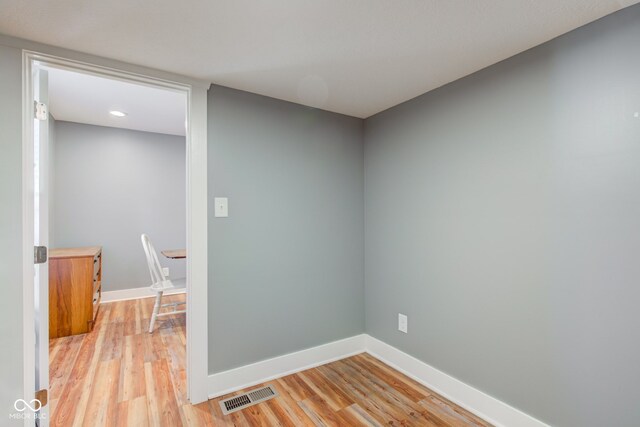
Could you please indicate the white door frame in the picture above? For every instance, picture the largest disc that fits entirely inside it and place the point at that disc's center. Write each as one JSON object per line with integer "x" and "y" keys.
{"x": 197, "y": 261}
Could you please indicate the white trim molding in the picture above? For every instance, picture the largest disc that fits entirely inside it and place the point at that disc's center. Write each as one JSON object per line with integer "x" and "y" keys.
{"x": 197, "y": 247}
{"x": 197, "y": 262}
{"x": 28, "y": 236}
{"x": 246, "y": 376}
{"x": 486, "y": 407}
{"x": 134, "y": 293}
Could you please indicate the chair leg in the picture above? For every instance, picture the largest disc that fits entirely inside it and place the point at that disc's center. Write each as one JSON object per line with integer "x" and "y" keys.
{"x": 156, "y": 310}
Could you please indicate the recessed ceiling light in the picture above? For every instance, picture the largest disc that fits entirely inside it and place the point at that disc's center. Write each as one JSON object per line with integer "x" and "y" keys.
{"x": 117, "y": 113}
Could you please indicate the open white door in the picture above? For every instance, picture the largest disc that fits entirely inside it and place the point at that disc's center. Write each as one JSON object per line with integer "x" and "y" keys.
{"x": 41, "y": 239}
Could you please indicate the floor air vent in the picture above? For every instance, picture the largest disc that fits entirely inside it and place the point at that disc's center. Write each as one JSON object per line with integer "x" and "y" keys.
{"x": 245, "y": 400}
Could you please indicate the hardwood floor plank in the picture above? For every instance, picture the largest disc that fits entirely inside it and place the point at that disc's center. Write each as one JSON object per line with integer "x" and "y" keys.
{"x": 413, "y": 384}
{"x": 340, "y": 380}
{"x": 138, "y": 413}
{"x": 315, "y": 418}
{"x": 448, "y": 414}
{"x": 176, "y": 354}
{"x": 217, "y": 417}
{"x": 62, "y": 361}
{"x": 290, "y": 405}
{"x": 199, "y": 415}
{"x": 102, "y": 402}
{"x": 359, "y": 393}
{"x": 394, "y": 380}
{"x": 123, "y": 413}
{"x": 410, "y": 388}
{"x": 393, "y": 397}
{"x": 163, "y": 408}
{"x": 354, "y": 415}
{"x": 113, "y": 341}
{"x": 320, "y": 411}
{"x": 256, "y": 416}
{"x": 72, "y": 400}
{"x": 384, "y": 394}
{"x": 118, "y": 310}
{"x": 238, "y": 420}
{"x": 283, "y": 412}
{"x": 296, "y": 387}
{"x": 132, "y": 381}
{"x": 129, "y": 317}
{"x": 121, "y": 375}
{"x": 331, "y": 394}
{"x": 272, "y": 418}
{"x": 370, "y": 399}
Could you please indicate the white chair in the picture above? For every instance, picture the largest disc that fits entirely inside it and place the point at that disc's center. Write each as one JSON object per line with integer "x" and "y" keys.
{"x": 160, "y": 283}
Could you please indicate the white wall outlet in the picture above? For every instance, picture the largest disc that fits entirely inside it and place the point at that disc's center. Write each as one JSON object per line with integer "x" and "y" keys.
{"x": 403, "y": 323}
{"x": 165, "y": 271}
{"x": 221, "y": 207}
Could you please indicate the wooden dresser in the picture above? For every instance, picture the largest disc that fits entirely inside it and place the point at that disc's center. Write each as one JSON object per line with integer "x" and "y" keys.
{"x": 75, "y": 277}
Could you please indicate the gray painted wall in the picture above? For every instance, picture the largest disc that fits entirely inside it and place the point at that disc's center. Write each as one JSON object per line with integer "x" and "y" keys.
{"x": 11, "y": 382}
{"x": 110, "y": 186}
{"x": 286, "y": 267}
{"x": 502, "y": 216}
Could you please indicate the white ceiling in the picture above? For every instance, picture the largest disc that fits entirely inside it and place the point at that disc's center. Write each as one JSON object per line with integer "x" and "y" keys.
{"x": 356, "y": 57}
{"x": 84, "y": 98}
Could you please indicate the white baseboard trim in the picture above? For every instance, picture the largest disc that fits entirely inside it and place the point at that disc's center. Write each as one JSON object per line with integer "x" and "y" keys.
{"x": 486, "y": 407}
{"x": 134, "y": 293}
{"x": 246, "y": 376}
{"x": 473, "y": 400}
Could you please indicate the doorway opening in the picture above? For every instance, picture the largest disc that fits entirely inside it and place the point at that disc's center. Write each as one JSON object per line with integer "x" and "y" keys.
{"x": 110, "y": 158}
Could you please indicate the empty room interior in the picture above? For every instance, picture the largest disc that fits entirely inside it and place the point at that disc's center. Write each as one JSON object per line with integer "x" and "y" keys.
{"x": 305, "y": 213}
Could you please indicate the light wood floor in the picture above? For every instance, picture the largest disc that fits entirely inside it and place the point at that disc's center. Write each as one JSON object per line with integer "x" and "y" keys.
{"x": 120, "y": 375}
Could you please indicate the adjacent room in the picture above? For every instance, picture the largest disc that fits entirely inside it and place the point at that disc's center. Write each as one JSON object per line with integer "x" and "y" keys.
{"x": 116, "y": 168}
{"x": 304, "y": 213}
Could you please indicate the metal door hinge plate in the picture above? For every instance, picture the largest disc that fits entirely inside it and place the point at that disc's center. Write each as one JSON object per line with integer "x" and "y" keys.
{"x": 39, "y": 254}
{"x": 41, "y": 110}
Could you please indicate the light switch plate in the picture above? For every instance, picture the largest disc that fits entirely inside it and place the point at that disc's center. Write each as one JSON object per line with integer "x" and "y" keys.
{"x": 221, "y": 207}
{"x": 403, "y": 323}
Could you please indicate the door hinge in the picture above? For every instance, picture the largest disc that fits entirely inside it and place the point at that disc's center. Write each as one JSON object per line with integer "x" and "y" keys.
{"x": 39, "y": 254}
{"x": 41, "y": 110}
{"x": 42, "y": 396}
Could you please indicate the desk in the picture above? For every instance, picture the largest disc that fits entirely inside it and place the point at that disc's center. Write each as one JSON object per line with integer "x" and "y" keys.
{"x": 175, "y": 253}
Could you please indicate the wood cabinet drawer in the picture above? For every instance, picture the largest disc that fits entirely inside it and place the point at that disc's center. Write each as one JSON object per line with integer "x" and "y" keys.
{"x": 97, "y": 265}
{"x": 96, "y": 307}
{"x": 96, "y": 285}
{"x": 75, "y": 290}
